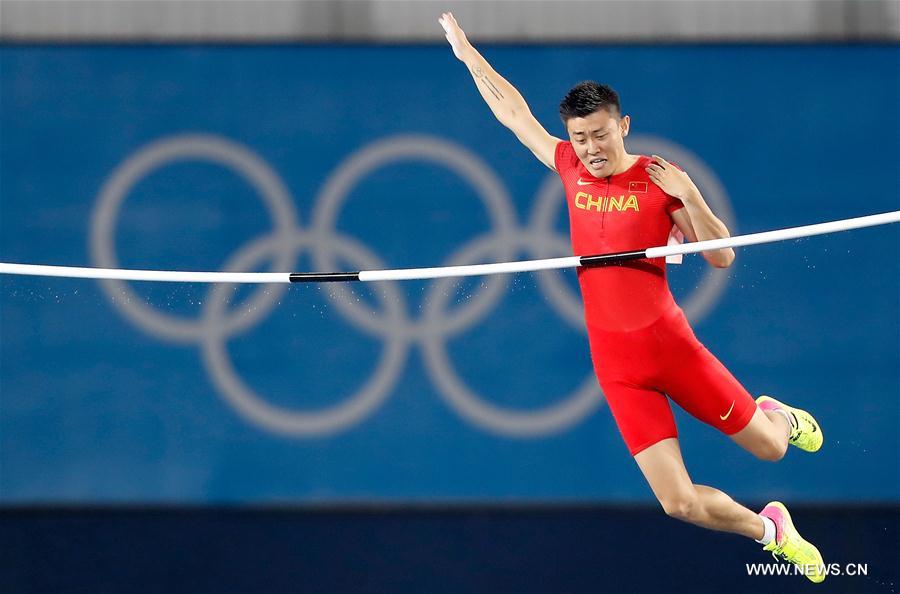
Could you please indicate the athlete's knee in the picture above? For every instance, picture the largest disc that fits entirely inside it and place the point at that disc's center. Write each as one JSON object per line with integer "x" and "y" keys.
{"x": 683, "y": 504}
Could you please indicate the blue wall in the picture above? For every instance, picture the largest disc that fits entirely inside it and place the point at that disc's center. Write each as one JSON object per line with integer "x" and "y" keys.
{"x": 386, "y": 157}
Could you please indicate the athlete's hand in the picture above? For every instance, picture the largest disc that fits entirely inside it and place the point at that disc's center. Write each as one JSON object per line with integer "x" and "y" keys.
{"x": 671, "y": 179}
{"x": 455, "y": 35}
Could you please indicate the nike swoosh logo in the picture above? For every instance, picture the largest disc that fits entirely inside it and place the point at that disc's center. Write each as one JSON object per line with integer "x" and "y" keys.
{"x": 584, "y": 183}
{"x": 728, "y": 414}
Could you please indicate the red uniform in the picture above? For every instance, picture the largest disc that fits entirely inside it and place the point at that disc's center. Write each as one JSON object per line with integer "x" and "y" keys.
{"x": 641, "y": 344}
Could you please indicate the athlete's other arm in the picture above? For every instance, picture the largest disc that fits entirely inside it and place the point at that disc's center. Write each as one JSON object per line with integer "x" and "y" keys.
{"x": 504, "y": 100}
{"x": 695, "y": 220}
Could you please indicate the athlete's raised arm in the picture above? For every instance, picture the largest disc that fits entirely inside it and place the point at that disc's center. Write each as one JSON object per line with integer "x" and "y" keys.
{"x": 504, "y": 100}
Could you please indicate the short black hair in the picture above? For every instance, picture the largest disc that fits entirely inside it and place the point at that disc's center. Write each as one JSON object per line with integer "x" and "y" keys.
{"x": 587, "y": 97}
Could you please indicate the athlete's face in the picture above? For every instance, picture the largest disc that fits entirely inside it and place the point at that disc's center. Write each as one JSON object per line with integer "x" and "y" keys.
{"x": 599, "y": 141}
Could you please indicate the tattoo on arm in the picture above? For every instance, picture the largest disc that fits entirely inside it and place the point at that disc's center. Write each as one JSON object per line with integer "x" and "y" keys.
{"x": 490, "y": 84}
{"x": 479, "y": 75}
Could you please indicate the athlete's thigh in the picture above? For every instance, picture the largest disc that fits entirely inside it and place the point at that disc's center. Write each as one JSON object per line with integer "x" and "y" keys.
{"x": 702, "y": 386}
{"x": 643, "y": 415}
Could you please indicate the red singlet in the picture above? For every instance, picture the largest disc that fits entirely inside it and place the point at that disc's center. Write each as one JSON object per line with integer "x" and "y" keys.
{"x": 641, "y": 344}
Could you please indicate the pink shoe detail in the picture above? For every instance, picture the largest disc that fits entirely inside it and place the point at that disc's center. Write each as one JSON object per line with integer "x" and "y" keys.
{"x": 774, "y": 514}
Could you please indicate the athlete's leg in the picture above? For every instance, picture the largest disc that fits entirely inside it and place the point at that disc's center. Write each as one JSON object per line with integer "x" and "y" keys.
{"x": 704, "y": 506}
{"x": 702, "y": 386}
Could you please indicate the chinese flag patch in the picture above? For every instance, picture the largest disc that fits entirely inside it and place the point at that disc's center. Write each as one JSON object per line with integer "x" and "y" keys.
{"x": 637, "y": 187}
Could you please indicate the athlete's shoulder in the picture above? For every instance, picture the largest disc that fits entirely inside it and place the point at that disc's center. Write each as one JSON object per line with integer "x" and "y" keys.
{"x": 670, "y": 203}
{"x": 640, "y": 166}
{"x": 643, "y": 161}
{"x": 565, "y": 158}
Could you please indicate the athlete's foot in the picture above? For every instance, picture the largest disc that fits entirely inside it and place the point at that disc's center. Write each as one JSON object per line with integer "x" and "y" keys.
{"x": 790, "y": 546}
{"x": 805, "y": 431}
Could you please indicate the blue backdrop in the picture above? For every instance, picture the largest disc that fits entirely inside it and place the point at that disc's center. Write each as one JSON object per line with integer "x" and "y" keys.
{"x": 302, "y": 158}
